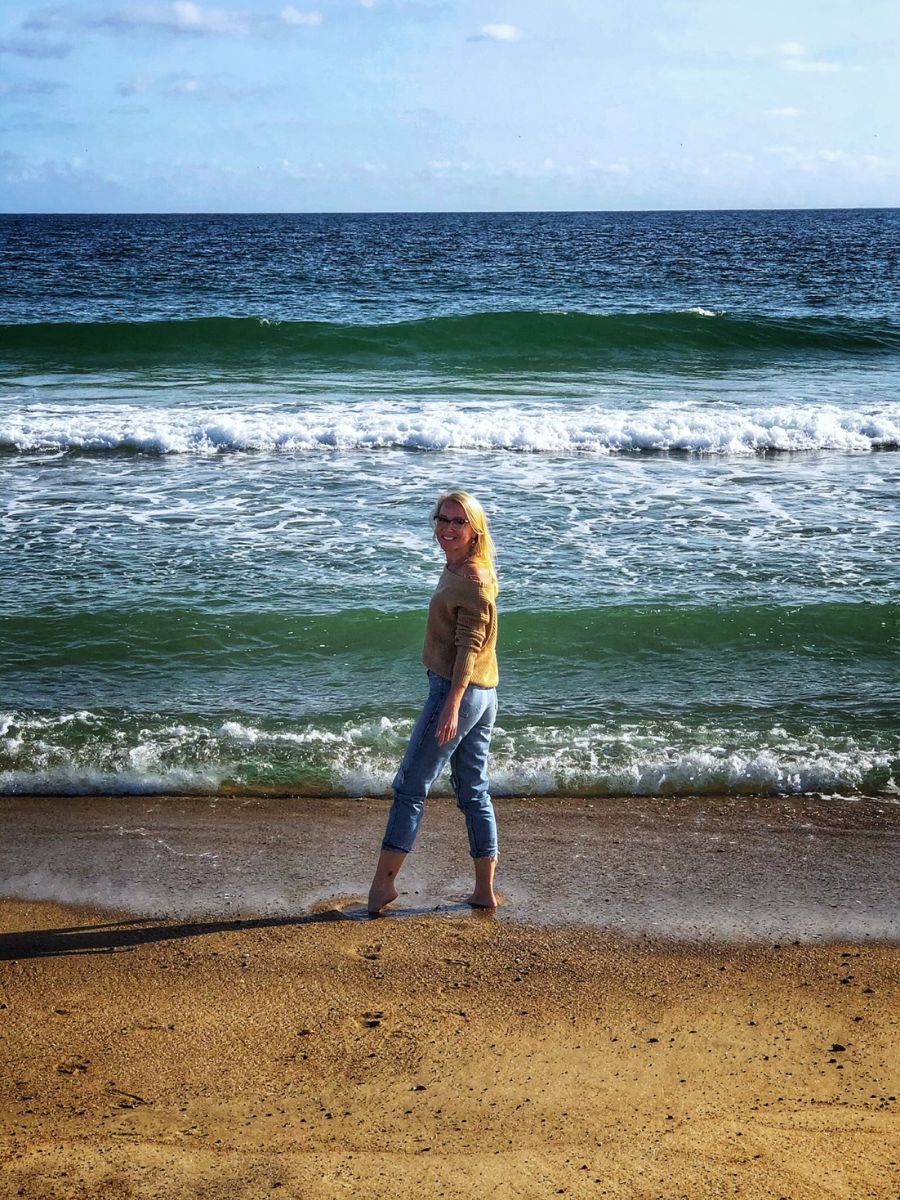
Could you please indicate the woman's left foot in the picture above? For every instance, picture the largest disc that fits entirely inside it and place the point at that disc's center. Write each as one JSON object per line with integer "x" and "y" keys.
{"x": 379, "y": 898}
{"x": 476, "y": 900}
{"x": 383, "y": 891}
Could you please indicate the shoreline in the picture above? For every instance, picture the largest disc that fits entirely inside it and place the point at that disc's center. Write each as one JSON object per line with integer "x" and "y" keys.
{"x": 729, "y": 869}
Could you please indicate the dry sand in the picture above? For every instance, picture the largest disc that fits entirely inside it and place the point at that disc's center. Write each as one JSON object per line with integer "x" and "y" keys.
{"x": 455, "y": 1056}
{"x": 723, "y": 1019}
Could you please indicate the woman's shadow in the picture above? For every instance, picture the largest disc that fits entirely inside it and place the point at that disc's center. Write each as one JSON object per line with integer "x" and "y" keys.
{"x": 113, "y": 936}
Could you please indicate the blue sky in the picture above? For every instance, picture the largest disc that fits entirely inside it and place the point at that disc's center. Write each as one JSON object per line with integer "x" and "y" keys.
{"x": 396, "y": 105}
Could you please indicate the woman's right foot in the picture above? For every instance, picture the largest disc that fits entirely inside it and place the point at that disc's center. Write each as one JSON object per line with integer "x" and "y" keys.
{"x": 483, "y": 895}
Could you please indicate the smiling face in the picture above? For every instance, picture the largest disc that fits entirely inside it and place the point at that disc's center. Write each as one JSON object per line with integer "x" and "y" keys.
{"x": 454, "y": 533}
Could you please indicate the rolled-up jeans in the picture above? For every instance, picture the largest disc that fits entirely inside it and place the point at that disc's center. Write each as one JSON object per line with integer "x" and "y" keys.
{"x": 467, "y": 755}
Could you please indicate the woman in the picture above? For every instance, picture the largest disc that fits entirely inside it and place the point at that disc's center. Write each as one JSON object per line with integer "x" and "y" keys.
{"x": 456, "y": 722}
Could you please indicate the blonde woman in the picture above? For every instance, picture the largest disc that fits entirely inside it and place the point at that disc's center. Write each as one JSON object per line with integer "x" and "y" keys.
{"x": 456, "y": 723}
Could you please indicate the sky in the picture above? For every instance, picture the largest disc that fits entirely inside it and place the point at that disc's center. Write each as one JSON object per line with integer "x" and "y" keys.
{"x": 448, "y": 105}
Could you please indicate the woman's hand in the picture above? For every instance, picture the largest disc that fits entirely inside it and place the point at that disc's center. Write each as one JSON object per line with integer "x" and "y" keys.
{"x": 448, "y": 721}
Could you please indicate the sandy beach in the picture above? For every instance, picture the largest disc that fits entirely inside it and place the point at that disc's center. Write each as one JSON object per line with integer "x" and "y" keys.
{"x": 742, "y": 1044}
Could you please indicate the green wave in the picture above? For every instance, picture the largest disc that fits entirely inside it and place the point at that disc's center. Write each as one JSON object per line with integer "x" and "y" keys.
{"x": 154, "y": 637}
{"x": 489, "y": 341}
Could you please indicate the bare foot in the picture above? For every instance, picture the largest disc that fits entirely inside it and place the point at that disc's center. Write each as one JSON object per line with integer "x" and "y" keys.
{"x": 382, "y": 891}
{"x": 378, "y": 899}
{"x": 483, "y": 895}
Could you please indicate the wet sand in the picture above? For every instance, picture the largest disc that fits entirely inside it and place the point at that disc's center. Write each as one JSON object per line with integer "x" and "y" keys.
{"x": 705, "y": 868}
{"x": 718, "y": 1013}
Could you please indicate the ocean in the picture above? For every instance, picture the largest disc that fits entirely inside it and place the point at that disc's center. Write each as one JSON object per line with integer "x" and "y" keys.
{"x": 220, "y": 438}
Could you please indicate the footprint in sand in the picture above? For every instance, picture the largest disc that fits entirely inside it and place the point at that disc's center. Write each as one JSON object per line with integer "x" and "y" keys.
{"x": 372, "y": 951}
{"x": 340, "y": 908}
{"x": 72, "y": 1066}
{"x": 372, "y": 1020}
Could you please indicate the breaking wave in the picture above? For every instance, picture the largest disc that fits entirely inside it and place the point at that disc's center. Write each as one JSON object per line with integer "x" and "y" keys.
{"x": 375, "y": 427}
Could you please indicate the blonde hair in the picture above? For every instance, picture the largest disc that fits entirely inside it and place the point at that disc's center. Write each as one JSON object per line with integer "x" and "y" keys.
{"x": 484, "y": 552}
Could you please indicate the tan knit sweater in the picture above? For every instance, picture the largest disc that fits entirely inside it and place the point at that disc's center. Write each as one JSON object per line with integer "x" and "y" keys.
{"x": 461, "y": 636}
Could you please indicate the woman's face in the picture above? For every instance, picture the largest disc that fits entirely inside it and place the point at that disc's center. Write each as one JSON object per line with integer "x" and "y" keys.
{"x": 454, "y": 533}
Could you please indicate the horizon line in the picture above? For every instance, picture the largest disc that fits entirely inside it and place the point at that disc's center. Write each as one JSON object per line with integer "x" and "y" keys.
{"x": 432, "y": 212}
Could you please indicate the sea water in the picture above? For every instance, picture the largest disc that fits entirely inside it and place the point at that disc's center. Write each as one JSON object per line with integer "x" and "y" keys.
{"x": 221, "y": 437}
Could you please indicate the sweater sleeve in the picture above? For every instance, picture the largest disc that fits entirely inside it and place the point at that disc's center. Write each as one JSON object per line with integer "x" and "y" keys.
{"x": 472, "y": 623}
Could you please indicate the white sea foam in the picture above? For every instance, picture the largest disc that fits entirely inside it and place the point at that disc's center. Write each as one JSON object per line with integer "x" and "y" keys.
{"x": 585, "y": 430}
{"x": 360, "y": 758}
{"x": 73, "y": 780}
{"x": 369, "y": 773}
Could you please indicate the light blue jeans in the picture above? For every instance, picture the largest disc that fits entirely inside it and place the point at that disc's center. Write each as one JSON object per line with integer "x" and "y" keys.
{"x": 467, "y": 755}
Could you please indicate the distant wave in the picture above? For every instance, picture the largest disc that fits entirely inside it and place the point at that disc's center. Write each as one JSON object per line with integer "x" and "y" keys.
{"x": 554, "y": 430}
{"x": 477, "y": 342}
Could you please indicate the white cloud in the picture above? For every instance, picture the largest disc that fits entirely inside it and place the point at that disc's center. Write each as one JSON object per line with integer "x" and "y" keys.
{"x": 188, "y": 17}
{"x": 292, "y": 170}
{"x": 803, "y": 64}
{"x": 782, "y": 112}
{"x": 610, "y": 168}
{"x": 497, "y": 33}
{"x": 20, "y": 172}
{"x": 191, "y": 19}
{"x": 880, "y": 165}
{"x": 525, "y": 171}
{"x": 813, "y": 162}
{"x": 186, "y": 86}
{"x": 795, "y": 57}
{"x": 177, "y": 16}
{"x": 293, "y": 16}
{"x": 446, "y": 168}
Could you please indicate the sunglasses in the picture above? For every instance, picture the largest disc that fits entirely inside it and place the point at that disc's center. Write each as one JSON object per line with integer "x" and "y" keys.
{"x": 456, "y": 522}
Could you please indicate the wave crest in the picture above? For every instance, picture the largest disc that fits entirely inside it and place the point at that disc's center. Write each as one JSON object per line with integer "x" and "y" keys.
{"x": 782, "y": 429}
{"x": 486, "y": 341}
